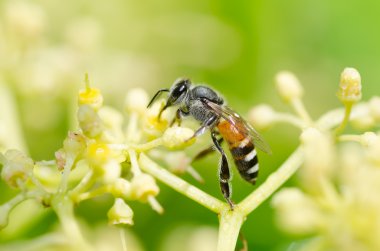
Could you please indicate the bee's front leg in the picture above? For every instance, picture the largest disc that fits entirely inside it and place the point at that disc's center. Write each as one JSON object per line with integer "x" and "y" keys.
{"x": 178, "y": 117}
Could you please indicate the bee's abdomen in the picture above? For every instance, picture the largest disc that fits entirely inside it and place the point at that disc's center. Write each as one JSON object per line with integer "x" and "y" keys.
{"x": 245, "y": 158}
{"x": 242, "y": 149}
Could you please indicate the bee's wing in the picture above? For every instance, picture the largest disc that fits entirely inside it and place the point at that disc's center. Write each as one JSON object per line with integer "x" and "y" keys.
{"x": 235, "y": 119}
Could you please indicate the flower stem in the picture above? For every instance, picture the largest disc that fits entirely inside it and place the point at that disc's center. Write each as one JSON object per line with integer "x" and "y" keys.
{"x": 230, "y": 222}
{"x": 181, "y": 186}
{"x": 347, "y": 112}
{"x": 299, "y": 107}
{"x": 272, "y": 183}
{"x": 64, "y": 209}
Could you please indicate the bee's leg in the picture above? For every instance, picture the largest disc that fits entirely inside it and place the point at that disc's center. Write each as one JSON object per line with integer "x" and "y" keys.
{"x": 224, "y": 172}
{"x": 206, "y": 151}
{"x": 178, "y": 117}
{"x": 207, "y": 124}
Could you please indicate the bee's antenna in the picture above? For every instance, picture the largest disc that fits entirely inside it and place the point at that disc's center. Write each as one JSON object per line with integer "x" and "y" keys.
{"x": 156, "y": 96}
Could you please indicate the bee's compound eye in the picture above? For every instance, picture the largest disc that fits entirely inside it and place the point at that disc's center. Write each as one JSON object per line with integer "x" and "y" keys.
{"x": 179, "y": 88}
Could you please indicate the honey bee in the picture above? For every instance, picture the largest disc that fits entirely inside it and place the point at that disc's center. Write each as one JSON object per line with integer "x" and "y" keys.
{"x": 206, "y": 106}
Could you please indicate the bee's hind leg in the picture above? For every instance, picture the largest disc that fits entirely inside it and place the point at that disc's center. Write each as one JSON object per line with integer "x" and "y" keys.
{"x": 206, "y": 151}
{"x": 224, "y": 172}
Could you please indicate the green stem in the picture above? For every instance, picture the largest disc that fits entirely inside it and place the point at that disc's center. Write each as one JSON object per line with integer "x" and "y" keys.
{"x": 347, "y": 112}
{"x": 64, "y": 209}
{"x": 94, "y": 193}
{"x": 230, "y": 223}
{"x": 181, "y": 186}
{"x": 84, "y": 184}
{"x": 65, "y": 175}
{"x": 299, "y": 108}
{"x": 273, "y": 182}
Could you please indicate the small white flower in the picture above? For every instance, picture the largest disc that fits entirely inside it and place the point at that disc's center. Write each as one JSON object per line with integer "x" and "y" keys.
{"x": 262, "y": 116}
{"x": 350, "y": 87}
{"x": 288, "y": 86}
{"x": 296, "y": 212}
{"x": 120, "y": 213}
{"x": 143, "y": 186}
{"x": 177, "y": 137}
{"x": 17, "y": 168}
{"x": 136, "y": 100}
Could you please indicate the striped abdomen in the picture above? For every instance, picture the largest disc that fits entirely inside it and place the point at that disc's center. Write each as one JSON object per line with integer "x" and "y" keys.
{"x": 242, "y": 150}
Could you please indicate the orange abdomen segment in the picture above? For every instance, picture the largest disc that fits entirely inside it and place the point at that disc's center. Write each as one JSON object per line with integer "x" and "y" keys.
{"x": 242, "y": 150}
{"x": 230, "y": 133}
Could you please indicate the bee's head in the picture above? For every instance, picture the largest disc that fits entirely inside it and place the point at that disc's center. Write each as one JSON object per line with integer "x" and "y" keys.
{"x": 178, "y": 92}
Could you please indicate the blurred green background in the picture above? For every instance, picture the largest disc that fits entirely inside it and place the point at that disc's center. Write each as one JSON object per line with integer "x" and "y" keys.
{"x": 237, "y": 47}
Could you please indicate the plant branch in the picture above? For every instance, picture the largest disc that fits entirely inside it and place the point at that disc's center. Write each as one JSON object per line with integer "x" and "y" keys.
{"x": 272, "y": 183}
{"x": 181, "y": 186}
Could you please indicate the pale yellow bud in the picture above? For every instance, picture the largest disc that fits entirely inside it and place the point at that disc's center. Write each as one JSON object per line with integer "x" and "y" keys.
{"x": 120, "y": 213}
{"x": 113, "y": 124}
{"x": 112, "y": 171}
{"x": 319, "y": 158}
{"x": 121, "y": 188}
{"x": 25, "y": 19}
{"x": 90, "y": 96}
{"x": 74, "y": 144}
{"x": 98, "y": 154}
{"x": 152, "y": 125}
{"x": 288, "y": 86}
{"x": 350, "y": 87}
{"x": 89, "y": 121}
{"x": 373, "y": 143}
{"x": 261, "y": 116}
{"x": 17, "y": 168}
{"x": 364, "y": 119}
{"x": 136, "y": 100}
{"x": 178, "y": 137}
{"x": 374, "y": 107}
{"x": 296, "y": 212}
{"x": 143, "y": 186}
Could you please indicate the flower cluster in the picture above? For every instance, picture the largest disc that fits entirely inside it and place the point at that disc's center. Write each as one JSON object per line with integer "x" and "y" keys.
{"x": 336, "y": 205}
{"x": 101, "y": 157}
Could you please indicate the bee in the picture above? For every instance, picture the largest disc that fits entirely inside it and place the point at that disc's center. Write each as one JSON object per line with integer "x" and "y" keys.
{"x": 208, "y": 107}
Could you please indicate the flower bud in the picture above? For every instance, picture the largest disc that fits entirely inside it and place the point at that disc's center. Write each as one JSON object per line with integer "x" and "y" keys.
{"x": 121, "y": 188}
{"x": 17, "y": 167}
{"x": 113, "y": 124}
{"x": 374, "y": 107}
{"x": 288, "y": 86}
{"x": 120, "y": 213}
{"x": 177, "y": 136}
{"x": 319, "y": 157}
{"x": 136, "y": 100}
{"x": 112, "y": 171}
{"x": 98, "y": 154}
{"x": 296, "y": 212}
{"x": 261, "y": 116}
{"x": 350, "y": 86}
{"x": 89, "y": 121}
{"x": 25, "y": 19}
{"x": 152, "y": 125}
{"x": 363, "y": 120}
{"x": 74, "y": 144}
{"x": 90, "y": 96}
{"x": 143, "y": 186}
